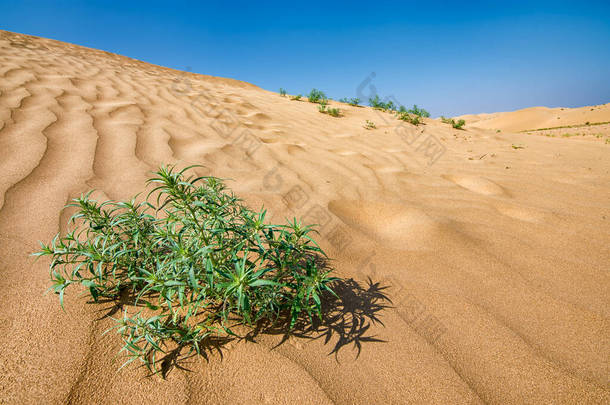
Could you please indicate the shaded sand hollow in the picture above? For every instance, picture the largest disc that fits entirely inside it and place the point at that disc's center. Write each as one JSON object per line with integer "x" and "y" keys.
{"x": 495, "y": 259}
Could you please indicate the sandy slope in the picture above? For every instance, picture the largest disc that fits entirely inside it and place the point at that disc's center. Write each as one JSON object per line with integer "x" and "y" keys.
{"x": 496, "y": 259}
{"x": 539, "y": 117}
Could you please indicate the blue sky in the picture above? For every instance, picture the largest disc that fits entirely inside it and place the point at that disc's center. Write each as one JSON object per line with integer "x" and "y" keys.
{"x": 449, "y": 57}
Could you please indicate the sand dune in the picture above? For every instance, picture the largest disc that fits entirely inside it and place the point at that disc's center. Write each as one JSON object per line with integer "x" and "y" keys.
{"x": 495, "y": 259}
{"x": 540, "y": 117}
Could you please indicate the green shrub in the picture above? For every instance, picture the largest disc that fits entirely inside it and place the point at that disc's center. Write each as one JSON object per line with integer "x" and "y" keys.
{"x": 317, "y": 96}
{"x": 352, "y": 101}
{"x": 408, "y": 117}
{"x": 376, "y": 102}
{"x": 370, "y": 125}
{"x": 282, "y": 92}
{"x": 196, "y": 263}
{"x": 296, "y": 98}
{"x": 420, "y": 112}
{"x": 335, "y": 112}
{"x": 457, "y": 125}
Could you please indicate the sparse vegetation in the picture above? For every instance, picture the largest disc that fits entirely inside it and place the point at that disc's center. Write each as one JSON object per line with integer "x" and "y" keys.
{"x": 282, "y": 92}
{"x": 455, "y": 124}
{"x": 459, "y": 124}
{"x": 376, "y": 102}
{"x": 410, "y": 118}
{"x": 420, "y": 112}
{"x": 296, "y": 98}
{"x": 352, "y": 101}
{"x": 317, "y": 96}
{"x": 370, "y": 125}
{"x": 517, "y": 146}
{"x": 324, "y": 109}
{"x": 191, "y": 266}
{"x": 568, "y": 126}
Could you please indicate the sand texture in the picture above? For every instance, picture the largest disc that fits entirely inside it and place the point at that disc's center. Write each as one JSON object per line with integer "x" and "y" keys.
{"x": 479, "y": 259}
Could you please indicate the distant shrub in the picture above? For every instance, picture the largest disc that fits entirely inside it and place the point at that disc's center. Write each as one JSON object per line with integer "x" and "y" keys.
{"x": 370, "y": 125}
{"x": 455, "y": 124}
{"x": 282, "y": 92}
{"x": 352, "y": 101}
{"x": 194, "y": 264}
{"x": 334, "y": 112}
{"x": 420, "y": 112}
{"x": 459, "y": 124}
{"x": 408, "y": 117}
{"x": 296, "y": 98}
{"x": 316, "y": 96}
{"x": 324, "y": 109}
{"x": 378, "y": 104}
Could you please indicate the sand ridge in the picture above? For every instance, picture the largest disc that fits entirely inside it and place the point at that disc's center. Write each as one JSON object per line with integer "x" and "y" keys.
{"x": 495, "y": 259}
{"x": 535, "y": 118}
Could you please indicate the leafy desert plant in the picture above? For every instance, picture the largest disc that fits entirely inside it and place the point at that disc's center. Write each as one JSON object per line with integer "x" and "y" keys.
{"x": 282, "y": 92}
{"x": 370, "y": 125}
{"x": 324, "y": 109}
{"x": 296, "y": 98}
{"x": 376, "y": 102}
{"x": 334, "y": 112}
{"x": 420, "y": 112}
{"x": 317, "y": 96}
{"x": 196, "y": 263}
{"x": 455, "y": 124}
{"x": 351, "y": 101}
{"x": 408, "y": 117}
{"x": 459, "y": 124}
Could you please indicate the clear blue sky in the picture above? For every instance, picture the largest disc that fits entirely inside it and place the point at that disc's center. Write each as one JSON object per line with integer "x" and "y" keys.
{"x": 449, "y": 57}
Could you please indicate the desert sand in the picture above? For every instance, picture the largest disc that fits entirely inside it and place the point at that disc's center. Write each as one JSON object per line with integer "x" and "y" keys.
{"x": 536, "y": 118}
{"x": 481, "y": 258}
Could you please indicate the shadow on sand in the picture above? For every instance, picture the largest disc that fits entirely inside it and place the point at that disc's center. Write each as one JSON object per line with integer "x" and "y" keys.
{"x": 346, "y": 321}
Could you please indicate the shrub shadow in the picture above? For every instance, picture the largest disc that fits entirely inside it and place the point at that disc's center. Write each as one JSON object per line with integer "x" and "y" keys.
{"x": 346, "y": 320}
{"x": 346, "y": 317}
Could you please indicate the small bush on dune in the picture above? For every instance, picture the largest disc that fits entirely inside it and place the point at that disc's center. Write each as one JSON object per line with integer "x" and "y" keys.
{"x": 459, "y": 124}
{"x": 282, "y": 92}
{"x": 334, "y": 112}
{"x": 296, "y": 98}
{"x": 324, "y": 109}
{"x": 352, "y": 101}
{"x": 408, "y": 117}
{"x": 370, "y": 125}
{"x": 376, "y": 102}
{"x": 455, "y": 124}
{"x": 196, "y": 263}
{"x": 317, "y": 96}
{"x": 420, "y": 112}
